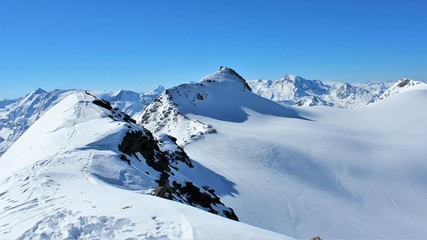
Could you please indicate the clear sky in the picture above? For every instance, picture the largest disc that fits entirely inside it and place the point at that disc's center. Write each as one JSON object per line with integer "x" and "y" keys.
{"x": 138, "y": 44}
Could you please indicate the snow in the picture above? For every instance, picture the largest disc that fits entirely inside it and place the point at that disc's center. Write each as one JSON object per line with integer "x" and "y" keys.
{"x": 304, "y": 172}
{"x": 403, "y": 85}
{"x": 301, "y": 171}
{"x": 17, "y": 115}
{"x": 344, "y": 174}
{"x": 62, "y": 179}
{"x": 297, "y": 91}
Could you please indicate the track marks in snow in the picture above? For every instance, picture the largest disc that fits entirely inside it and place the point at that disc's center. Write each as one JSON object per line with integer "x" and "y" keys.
{"x": 69, "y": 225}
{"x": 168, "y": 230}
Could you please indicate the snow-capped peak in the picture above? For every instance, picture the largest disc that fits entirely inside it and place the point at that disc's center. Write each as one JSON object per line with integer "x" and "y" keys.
{"x": 128, "y": 95}
{"x": 39, "y": 91}
{"x": 226, "y": 75}
{"x": 155, "y": 91}
{"x": 291, "y": 77}
{"x": 402, "y": 85}
{"x": 223, "y": 95}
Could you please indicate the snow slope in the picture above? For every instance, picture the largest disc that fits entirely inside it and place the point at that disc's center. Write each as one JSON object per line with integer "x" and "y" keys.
{"x": 304, "y": 172}
{"x": 73, "y": 175}
{"x": 18, "y": 115}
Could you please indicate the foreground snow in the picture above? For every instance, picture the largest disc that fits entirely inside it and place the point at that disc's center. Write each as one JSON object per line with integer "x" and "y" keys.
{"x": 63, "y": 179}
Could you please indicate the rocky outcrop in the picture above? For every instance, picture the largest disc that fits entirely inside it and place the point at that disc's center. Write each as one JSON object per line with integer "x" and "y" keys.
{"x": 404, "y": 84}
{"x": 163, "y": 116}
{"x": 163, "y": 155}
{"x": 168, "y": 163}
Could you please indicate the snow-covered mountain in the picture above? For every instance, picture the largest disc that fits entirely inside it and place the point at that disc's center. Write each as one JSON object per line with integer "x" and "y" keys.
{"x": 403, "y": 85}
{"x": 222, "y": 95}
{"x": 81, "y": 167}
{"x": 332, "y": 172}
{"x": 297, "y": 91}
{"x": 84, "y": 170}
{"x": 17, "y": 115}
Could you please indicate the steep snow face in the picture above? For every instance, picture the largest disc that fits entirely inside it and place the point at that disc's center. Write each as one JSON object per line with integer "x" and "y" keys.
{"x": 403, "y": 85}
{"x": 84, "y": 170}
{"x": 16, "y": 116}
{"x": 223, "y": 95}
{"x": 347, "y": 174}
{"x": 297, "y": 91}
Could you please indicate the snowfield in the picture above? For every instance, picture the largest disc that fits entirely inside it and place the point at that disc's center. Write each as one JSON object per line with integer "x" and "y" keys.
{"x": 286, "y": 171}
{"x": 303, "y": 172}
{"x": 344, "y": 174}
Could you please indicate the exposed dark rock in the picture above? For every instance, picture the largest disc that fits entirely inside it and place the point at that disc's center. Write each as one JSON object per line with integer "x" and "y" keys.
{"x": 145, "y": 144}
{"x": 128, "y": 119}
{"x": 103, "y": 103}
{"x": 124, "y": 158}
{"x": 230, "y": 214}
{"x": 194, "y": 196}
{"x": 404, "y": 83}
{"x": 166, "y": 163}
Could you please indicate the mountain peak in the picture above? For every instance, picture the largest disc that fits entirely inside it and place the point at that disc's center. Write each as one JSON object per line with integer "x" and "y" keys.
{"x": 402, "y": 85}
{"x": 402, "y": 82}
{"x": 226, "y": 75}
{"x": 39, "y": 91}
{"x": 291, "y": 77}
{"x": 155, "y": 91}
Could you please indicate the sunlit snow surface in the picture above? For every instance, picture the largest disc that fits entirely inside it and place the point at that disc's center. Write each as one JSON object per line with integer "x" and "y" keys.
{"x": 341, "y": 174}
{"x": 298, "y": 171}
{"x": 62, "y": 179}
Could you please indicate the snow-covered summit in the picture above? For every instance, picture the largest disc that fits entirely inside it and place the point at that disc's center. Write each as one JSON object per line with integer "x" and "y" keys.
{"x": 155, "y": 91}
{"x": 226, "y": 75}
{"x": 223, "y": 95}
{"x": 403, "y": 85}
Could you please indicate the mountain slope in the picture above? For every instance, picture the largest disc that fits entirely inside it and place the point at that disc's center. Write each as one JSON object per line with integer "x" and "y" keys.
{"x": 17, "y": 116}
{"x": 75, "y": 174}
{"x": 336, "y": 173}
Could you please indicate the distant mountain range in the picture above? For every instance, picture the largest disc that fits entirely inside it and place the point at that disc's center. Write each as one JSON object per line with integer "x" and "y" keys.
{"x": 296, "y": 91}
{"x": 16, "y": 115}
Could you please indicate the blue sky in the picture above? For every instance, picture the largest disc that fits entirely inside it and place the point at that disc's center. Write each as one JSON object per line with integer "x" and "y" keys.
{"x": 137, "y": 45}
